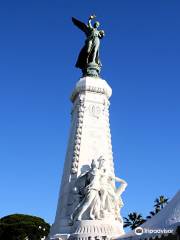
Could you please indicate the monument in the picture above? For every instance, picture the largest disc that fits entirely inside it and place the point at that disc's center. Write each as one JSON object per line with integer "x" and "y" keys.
{"x": 89, "y": 201}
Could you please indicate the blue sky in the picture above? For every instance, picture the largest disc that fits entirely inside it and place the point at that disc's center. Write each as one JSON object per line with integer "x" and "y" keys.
{"x": 141, "y": 61}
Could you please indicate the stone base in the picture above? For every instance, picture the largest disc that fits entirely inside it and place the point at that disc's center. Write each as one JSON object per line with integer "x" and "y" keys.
{"x": 92, "y": 230}
{"x": 92, "y": 70}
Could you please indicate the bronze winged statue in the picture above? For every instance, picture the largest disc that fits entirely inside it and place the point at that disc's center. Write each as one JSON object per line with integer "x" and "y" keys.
{"x": 88, "y": 60}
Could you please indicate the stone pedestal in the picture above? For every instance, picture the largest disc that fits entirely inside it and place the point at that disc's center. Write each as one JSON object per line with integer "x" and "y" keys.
{"x": 89, "y": 139}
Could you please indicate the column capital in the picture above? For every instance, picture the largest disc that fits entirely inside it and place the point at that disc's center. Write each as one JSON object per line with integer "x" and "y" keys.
{"x": 91, "y": 84}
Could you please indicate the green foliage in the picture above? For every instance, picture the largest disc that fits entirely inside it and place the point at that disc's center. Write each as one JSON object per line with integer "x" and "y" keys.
{"x": 152, "y": 213}
{"x": 133, "y": 220}
{"x": 160, "y": 203}
{"x": 21, "y": 227}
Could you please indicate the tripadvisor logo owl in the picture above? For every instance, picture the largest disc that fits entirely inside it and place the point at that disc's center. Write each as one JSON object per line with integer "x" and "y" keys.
{"x": 138, "y": 231}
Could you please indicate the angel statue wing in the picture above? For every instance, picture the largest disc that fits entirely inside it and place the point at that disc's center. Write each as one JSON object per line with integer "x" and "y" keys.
{"x": 82, "y": 26}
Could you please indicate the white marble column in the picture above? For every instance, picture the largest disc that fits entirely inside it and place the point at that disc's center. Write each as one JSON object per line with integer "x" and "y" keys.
{"x": 89, "y": 139}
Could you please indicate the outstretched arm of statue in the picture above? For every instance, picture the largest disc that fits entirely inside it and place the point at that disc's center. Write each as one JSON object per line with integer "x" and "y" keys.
{"x": 122, "y": 187}
{"x": 120, "y": 180}
{"x": 89, "y": 20}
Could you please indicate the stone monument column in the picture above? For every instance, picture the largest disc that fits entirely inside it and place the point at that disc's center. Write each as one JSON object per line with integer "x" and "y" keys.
{"x": 89, "y": 139}
{"x": 89, "y": 202}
